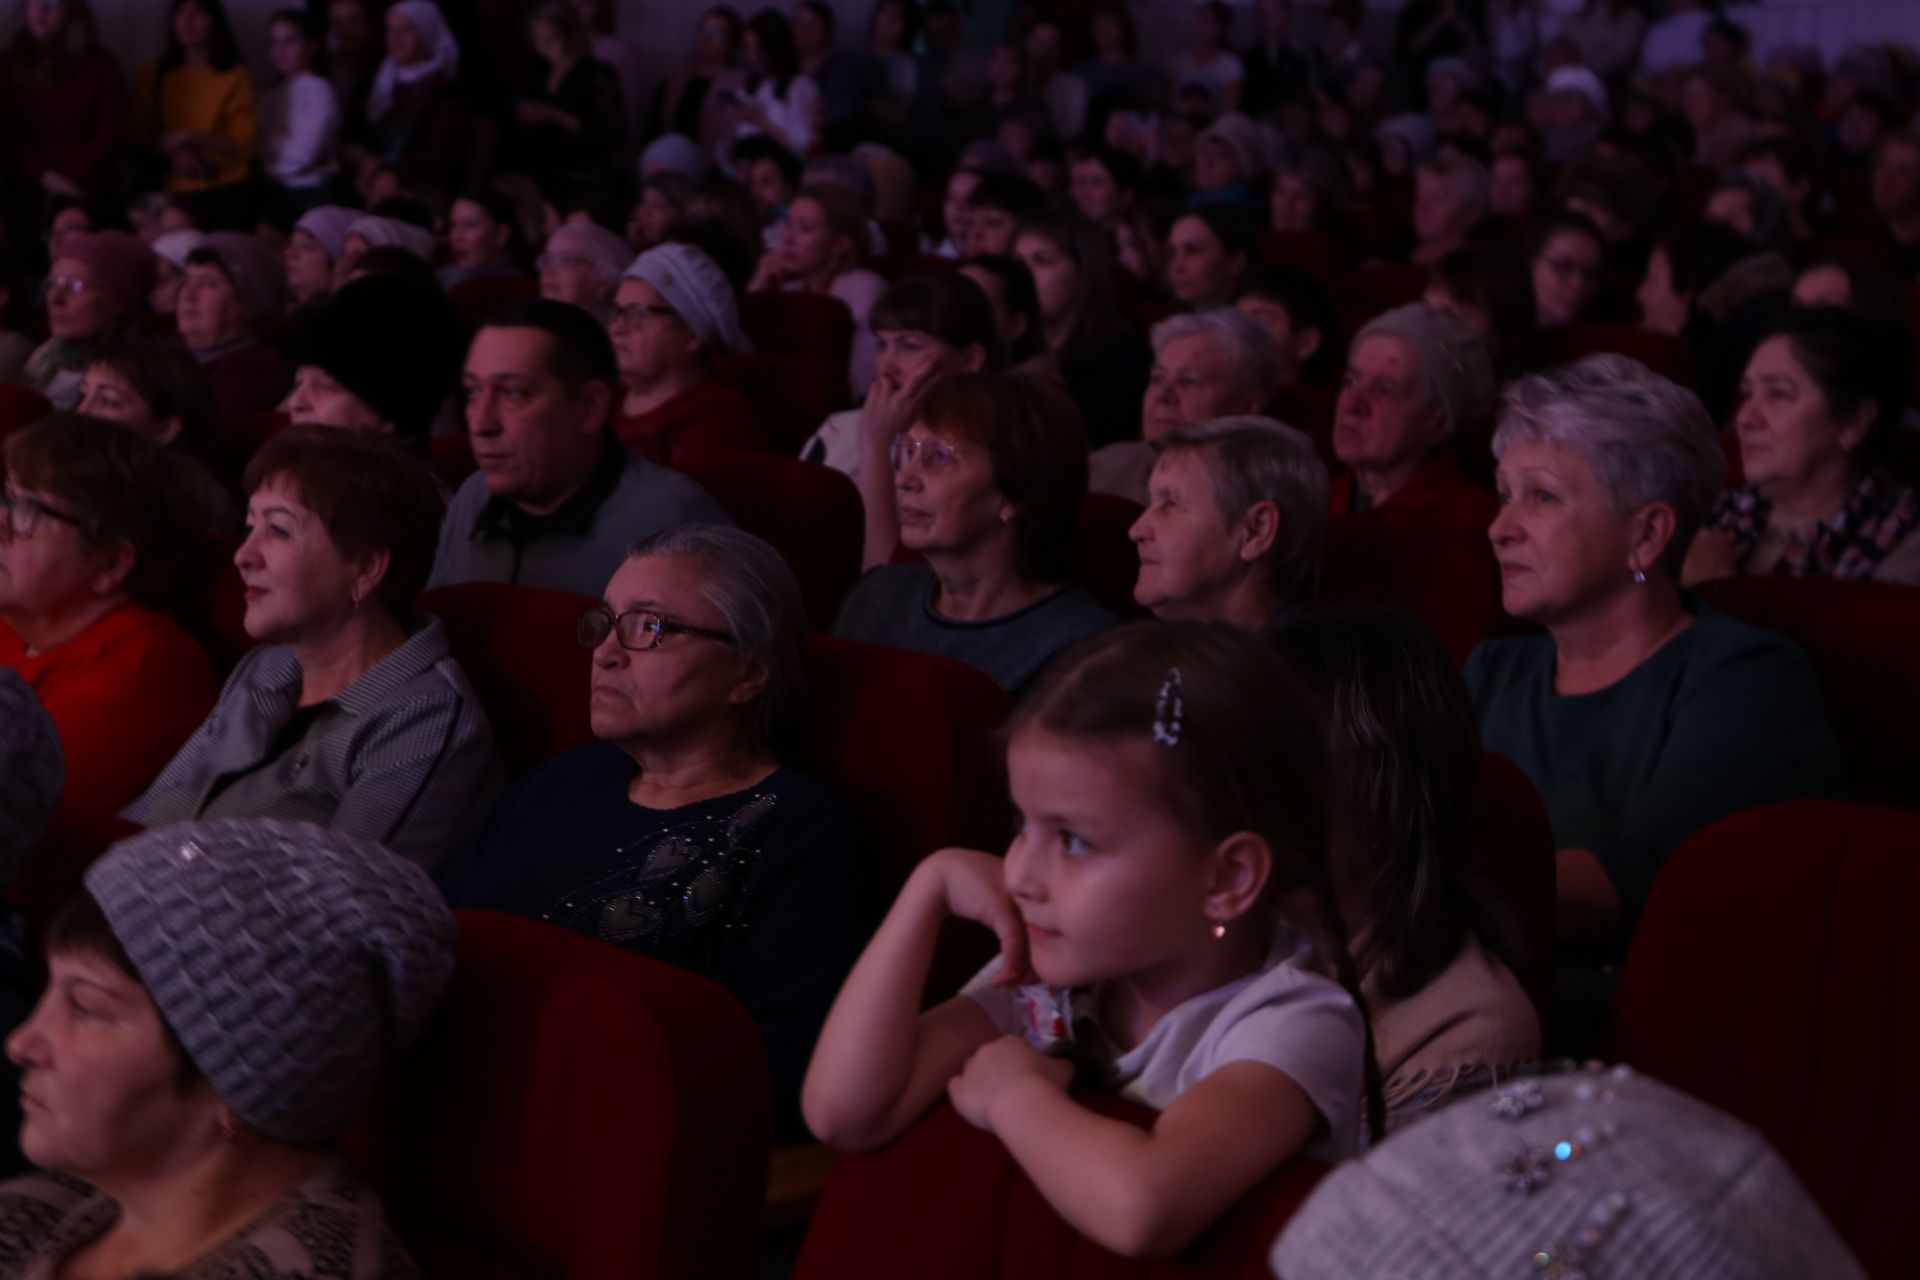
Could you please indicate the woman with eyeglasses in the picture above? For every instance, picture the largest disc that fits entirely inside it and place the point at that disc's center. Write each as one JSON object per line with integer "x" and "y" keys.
{"x": 988, "y": 479}
{"x": 350, "y": 713}
{"x": 686, "y": 833}
{"x": 583, "y": 264}
{"x": 97, "y": 283}
{"x": 95, "y": 531}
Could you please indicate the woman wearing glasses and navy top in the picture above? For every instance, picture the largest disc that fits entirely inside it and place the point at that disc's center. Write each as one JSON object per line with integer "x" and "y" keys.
{"x": 350, "y": 713}
{"x": 686, "y": 833}
{"x": 988, "y": 479}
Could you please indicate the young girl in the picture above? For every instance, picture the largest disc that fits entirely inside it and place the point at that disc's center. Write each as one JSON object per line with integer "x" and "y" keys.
{"x": 1166, "y": 930}
{"x": 299, "y": 119}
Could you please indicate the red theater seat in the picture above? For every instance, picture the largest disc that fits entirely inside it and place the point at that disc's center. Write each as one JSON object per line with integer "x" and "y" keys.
{"x": 1446, "y": 578}
{"x": 1313, "y": 253}
{"x": 242, "y": 437}
{"x": 20, "y": 407}
{"x": 1860, "y": 636}
{"x": 1108, "y": 563}
{"x": 579, "y": 1111}
{"x": 1361, "y": 295}
{"x": 799, "y": 324}
{"x": 452, "y": 457}
{"x": 517, "y": 646}
{"x": 1666, "y": 355}
{"x": 1775, "y": 975}
{"x": 791, "y": 395}
{"x": 811, "y": 514}
{"x": 474, "y": 299}
{"x": 946, "y": 1202}
{"x": 1308, "y": 410}
{"x": 213, "y": 607}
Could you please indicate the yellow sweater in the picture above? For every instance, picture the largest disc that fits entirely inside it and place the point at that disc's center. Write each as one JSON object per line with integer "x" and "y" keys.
{"x": 205, "y": 101}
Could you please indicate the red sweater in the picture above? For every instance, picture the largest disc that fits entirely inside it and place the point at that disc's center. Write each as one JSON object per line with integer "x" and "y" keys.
{"x": 124, "y": 694}
{"x": 707, "y": 418}
{"x": 1440, "y": 495}
{"x": 76, "y": 128}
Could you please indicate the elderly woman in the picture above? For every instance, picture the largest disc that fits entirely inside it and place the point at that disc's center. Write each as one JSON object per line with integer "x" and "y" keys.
{"x": 221, "y": 1001}
{"x": 1210, "y": 364}
{"x": 582, "y": 265}
{"x": 1605, "y": 473}
{"x": 350, "y": 712}
{"x": 382, "y": 354}
{"x": 368, "y": 232}
{"x": 1236, "y": 512}
{"x": 1451, "y": 196}
{"x": 95, "y": 532}
{"x": 318, "y": 243}
{"x": 988, "y": 480}
{"x": 170, "y": 253}
{"x": 1435, "y": 960}
{"x": 1418, "y": 379}
{"x": 415, "y": 115}
{"x": 1820, "y": 401}
{"x": 235, "y": 288}
{"x": 823, "y": 249}
{"x": 675, "y": 312}
{"x": 686, "y": 833}
{"x": 97, "y": 280}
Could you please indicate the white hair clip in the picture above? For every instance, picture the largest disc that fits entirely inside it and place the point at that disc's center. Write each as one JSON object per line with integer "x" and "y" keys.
{"x": 1168, "y": 710}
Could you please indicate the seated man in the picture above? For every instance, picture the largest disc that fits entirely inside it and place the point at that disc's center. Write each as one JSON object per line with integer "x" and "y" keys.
{"x": 1206, "y": 364}
{"x": 556, "y": 501}
{"x": 673, "y": 312}
{"x": 1236, "y": 515}
{"x": 1297, "y": 311}
{"x": 1417, "y": 380}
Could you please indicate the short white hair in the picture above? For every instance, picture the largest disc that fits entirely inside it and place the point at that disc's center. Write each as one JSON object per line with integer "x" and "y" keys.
{"x": 1251, "y": 355}
{"x": 1253, "y": 459}
{"x": 1646, "y": 439}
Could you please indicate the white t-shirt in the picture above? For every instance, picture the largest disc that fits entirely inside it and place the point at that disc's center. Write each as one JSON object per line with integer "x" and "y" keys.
{"x": 299, "y": 122}
{"x": 1288, "y": 1015}
{"x": 836, "y": 444}
{"x": 792, "y": 115}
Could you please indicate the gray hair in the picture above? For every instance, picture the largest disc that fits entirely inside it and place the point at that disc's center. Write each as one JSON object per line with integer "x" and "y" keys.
{"x": 1252, "y": 356}
{"x": 610, "y": 254}
{"x": 758, "y": 599}
{"x": 1253, "y": 459}
{"x": 1645, "y": 439}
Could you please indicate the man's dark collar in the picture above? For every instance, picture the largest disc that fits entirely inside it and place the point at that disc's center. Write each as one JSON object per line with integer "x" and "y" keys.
{"x": 503, "y": 518}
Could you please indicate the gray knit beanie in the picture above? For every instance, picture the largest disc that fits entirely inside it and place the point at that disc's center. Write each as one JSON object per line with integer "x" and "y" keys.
{"x": 1460, "y": 375}
{"x": 1596, "y": 1173}
{"x": 292, "y": 961}
{"x": 32, "y": 770}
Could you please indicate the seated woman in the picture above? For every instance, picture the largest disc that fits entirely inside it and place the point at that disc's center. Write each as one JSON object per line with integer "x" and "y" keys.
{"x": 1821, "y": 400}
{"x": 170, "y": 253}
{"x": 1705, "y": 283}
{"x": 988, "y": 478}
{"x": 1016, "y": 311}
{"x": 1450, "y": 199}
{"x": 350, "y": 712}
{"x": 318, "y": 242}
{"x": 299, "y": 119}
{"x": 924, "y": 326}
{"x": 1168, "y": 931}
{"x": 98, "y": 281}
{"x": 1435, "y": 960}
{"x": 416, "y": 118}
{"x": 1309, "y": 191}
{"x": 1605, "y": 473}
{"x": 673, "y": 314}
{"x": 235, "y": 288}
{"x": 195, "y": 107}
{"x": 156, "y": 387}
{"x": 1489, "y": 288}
{"x": 1418, "y": 382}
{"x": 383, "y": 354}
{"x": 1568, "y": 264}
{"x": 583, "y": 264}
{"x": 223, "y": 997}
{"x": 98, "y": 530}
{"x": 1207, "y": 250}
{"x": 823, "y": 249}
{"x": 573, "y": 125}
{"x": 372, "y": 231}
{"x": 1103, "y": 362}
{"x": 686, "y": 833}
{"x": 1235, "y": 518}
{"x": 483, "y": 239}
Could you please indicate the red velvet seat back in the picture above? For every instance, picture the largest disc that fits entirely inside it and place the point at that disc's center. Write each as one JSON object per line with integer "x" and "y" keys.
{"x": 1108, "y": 565}
{"x": 452, "y": 458}
{"x": 1361, "y": 295}
{"x": 791, "y": 395}
{"x": 1862, "y": 638}
{"x": 1308, "y": 410}
{"x": 213, "y": 606}
{"x": 1446, "y": 578}
{"x": 473, "y": 300}
{"x": 946, "y": 1202}
{"x": 1513, "y": 862}
{"x": 1666, "y": 355}
{"x": 811, "y": 514}
{"x": 799, "y": 324}
{"x": 1775, "y": 974}
{"x": 1313, "y": 253}
{"x": 576, "y": 1110}
{"x": 241, "y": 438}
{"x": 20, "y": 407}
{"x": 517, "y": 646}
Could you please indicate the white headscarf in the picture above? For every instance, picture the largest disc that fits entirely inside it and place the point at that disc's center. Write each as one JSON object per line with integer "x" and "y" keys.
{"x": 443, "y": 55}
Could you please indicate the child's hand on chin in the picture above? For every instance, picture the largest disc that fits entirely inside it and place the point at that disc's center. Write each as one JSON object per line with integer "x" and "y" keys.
{"x": 996, "y": 1067}
{"x": 973, "y": 885}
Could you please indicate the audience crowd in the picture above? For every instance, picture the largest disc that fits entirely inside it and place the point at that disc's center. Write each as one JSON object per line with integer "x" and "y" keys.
{"x": 1286, "y": 423}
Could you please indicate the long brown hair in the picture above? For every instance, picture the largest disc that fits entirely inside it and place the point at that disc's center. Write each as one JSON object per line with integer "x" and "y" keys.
{"x": 1250, "y": 756}
{"x": 60, "y": 57}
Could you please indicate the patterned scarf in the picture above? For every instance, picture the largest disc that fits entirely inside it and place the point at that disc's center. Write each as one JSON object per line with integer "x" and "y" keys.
{"x": 1849, "y": 544}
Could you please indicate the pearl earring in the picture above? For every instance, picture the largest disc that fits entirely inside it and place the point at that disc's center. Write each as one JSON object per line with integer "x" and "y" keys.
{"x": 1219, "y": 929}
{"x": 1639, "y": 577}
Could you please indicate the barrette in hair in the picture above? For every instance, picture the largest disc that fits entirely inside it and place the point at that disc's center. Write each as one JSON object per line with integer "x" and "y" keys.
{"x": 1168, "y": 710}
